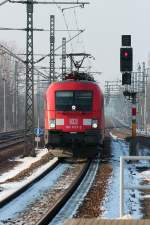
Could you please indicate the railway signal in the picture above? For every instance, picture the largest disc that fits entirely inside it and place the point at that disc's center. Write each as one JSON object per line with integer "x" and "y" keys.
{"x": 126, "y": 40}
{"x": 126, "y": 78}
{"x": 126, "y": 67}
{"x": 126, "y": 59}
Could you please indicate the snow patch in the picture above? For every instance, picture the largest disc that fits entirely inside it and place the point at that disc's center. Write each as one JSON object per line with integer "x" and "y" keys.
{"x": 24, "y": 164}
{"x": 113, "y": 136}
{"x": 10, "y": 188}
{"x": 126, "y": 217}
{"x": 131, "y": 197}
{"x": 27, "y": 198}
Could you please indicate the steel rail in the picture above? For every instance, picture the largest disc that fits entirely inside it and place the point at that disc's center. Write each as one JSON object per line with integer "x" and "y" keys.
{"x": 8, "y": 139}
{"x": 26, "y": 186}
{"x": 65, "y": 197}
{"x": 11, "y": 132}
{"x": 12, "y": 143}
{"x": 11, "y": 138}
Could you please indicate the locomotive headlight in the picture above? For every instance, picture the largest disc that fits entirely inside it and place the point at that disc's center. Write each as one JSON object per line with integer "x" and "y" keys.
{"x": 94, "y": 123}
{"x": 52, "y": 123}
{"x": 73, "y": 108}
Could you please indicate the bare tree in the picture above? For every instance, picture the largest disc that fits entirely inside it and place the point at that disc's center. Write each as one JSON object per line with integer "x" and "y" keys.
{"x": 11, "y": 91}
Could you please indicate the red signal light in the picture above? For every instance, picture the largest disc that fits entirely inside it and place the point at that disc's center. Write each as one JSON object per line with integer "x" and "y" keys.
{"x": 126, "y": 54}
{"x": 126, "y": 59}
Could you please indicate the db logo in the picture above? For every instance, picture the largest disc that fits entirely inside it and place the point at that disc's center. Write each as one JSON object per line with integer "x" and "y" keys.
{"x": 73, "y": 121}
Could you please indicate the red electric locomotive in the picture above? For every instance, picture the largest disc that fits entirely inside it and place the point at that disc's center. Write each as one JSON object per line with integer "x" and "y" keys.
{"x": 74, "y": 117}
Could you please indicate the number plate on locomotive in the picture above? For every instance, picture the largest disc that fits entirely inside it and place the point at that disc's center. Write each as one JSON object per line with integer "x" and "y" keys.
{"x": 73, "y": 121}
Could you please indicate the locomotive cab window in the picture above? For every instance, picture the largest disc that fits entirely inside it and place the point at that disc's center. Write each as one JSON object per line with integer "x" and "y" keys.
{"x": 64, "y": 100}
{"x": 81, "y": 99}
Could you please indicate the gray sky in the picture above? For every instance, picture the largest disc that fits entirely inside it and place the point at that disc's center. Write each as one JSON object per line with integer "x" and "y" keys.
{"x": 104, "y": 20}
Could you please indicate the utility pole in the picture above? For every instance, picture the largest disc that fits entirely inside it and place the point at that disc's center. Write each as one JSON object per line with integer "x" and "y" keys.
{"x": 52, "y": 48}
{"x": 29, "y": 112}
{"x": 145, "y": 96}
{"x": 4, "y": 86}
{"x": 38, "y": 107}
{"x": 37, "y": 99}
{"x": 16, "y": 115}
{"x": 15, "y": 96}
{"x": 2, "y": 72}
{"x": 133, "y": 114}
{"x": 140, "y": 116}
{"x": 63, "y": 57}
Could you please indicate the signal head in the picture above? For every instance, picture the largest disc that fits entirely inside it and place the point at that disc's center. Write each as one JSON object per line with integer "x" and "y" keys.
{"x": 126, "y": 59}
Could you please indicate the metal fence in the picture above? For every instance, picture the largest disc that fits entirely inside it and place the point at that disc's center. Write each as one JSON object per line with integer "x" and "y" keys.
{"x": 128, "y": 186}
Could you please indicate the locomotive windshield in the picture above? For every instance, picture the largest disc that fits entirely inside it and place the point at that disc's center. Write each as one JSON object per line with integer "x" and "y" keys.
{"x": 81, "y": 99}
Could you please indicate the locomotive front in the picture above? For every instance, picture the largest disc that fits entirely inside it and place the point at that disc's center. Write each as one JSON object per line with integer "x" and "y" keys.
{"x": 74, "y": 116}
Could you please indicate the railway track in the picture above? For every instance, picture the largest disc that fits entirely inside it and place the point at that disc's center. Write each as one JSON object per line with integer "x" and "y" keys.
{"x": 41, "y": 200}
{"x": 71, "y": 206}
{"x": 10, "y": 134}
{"x": 11, "y": 138}
{"x": 21, "y": 190}
{"x": 53, "y": 211}
{"x": 59, "y": 201}
{"x": 11, "y": 143}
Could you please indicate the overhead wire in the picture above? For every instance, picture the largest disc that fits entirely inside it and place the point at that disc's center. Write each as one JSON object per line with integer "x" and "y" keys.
{"x": 39, "y": 60}
{"x": 76, "y": 20}
{"x": 35, "y": 29}
{"x": 2, "y": 3}
{"x": 77, "y": 27}
{"x": 81, "y": 38}
{"x": 67, "y": 29}
{"x": 9, "y": 52}
{"x": 66, "y": 24}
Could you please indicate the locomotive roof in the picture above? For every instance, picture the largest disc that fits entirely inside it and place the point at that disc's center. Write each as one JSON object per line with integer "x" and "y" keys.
{"x": 59, "y": 84}
{"x": 75, "y": 81}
